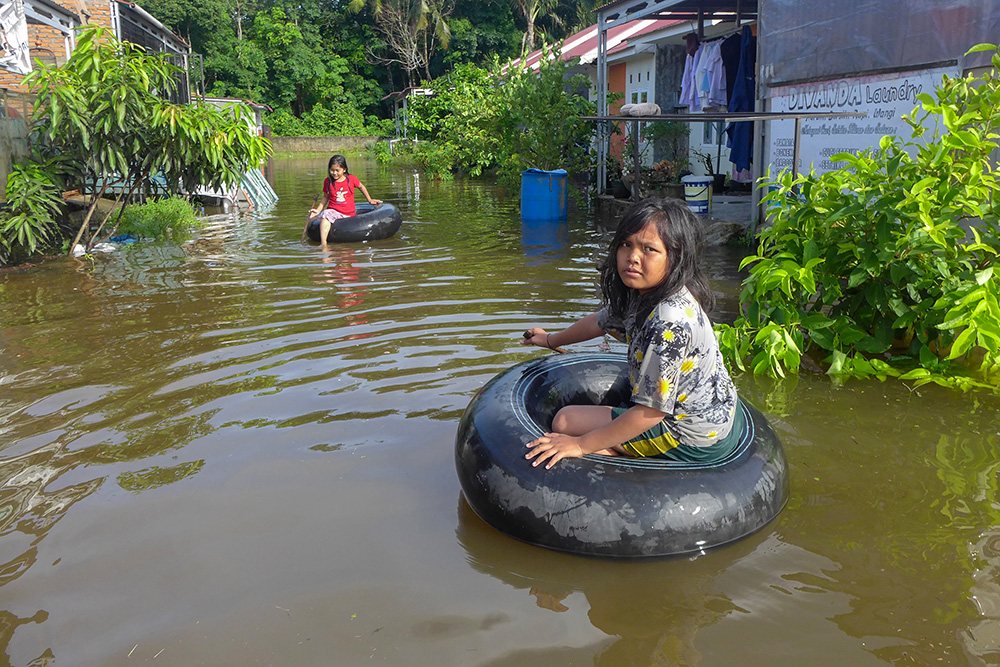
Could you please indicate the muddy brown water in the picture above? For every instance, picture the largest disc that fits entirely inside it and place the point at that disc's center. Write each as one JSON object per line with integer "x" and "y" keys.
{"x": 240, "y": 452}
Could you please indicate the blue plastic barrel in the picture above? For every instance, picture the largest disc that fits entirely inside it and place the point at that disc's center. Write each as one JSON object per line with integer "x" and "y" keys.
{"x": 543, "y": 194}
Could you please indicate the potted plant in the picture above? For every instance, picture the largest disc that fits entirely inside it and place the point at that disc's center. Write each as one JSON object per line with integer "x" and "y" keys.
{"x": 615, "y": 179}
{"x": 718, "y": 180}
{"x": 664, "y": 178}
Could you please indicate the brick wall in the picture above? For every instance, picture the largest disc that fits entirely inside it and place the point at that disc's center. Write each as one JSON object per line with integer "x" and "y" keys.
{"x": 48, "y": 44}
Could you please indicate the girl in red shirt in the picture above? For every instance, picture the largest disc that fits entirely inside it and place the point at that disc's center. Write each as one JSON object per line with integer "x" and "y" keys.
{"x": 338, "y": 194}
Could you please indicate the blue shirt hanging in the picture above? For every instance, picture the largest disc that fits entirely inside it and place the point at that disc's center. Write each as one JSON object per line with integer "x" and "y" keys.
{"x": 741, "y": 98}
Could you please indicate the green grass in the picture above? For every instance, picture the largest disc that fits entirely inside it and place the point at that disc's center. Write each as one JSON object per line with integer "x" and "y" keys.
{"x": 159, "y": 219}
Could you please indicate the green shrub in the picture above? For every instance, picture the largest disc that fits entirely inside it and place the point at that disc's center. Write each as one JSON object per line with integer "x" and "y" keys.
{"x": 30, "y": 215}
{"x": 103, "y": 115}
{"x": 379, "y": 151}
{"x": 886, "y": 266}
{"x": 539, "y": 121}
{"x": 462, "y": 115}
{"x": 435, "y": 160}
{"x": 159, "y": 219}
{"x": 334, "y": 119}
{"x": 379, "y": 127}
{"x": 505, "y": 120}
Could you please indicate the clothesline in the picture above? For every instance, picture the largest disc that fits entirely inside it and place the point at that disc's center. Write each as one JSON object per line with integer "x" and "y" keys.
{"x": 716, "y": 38}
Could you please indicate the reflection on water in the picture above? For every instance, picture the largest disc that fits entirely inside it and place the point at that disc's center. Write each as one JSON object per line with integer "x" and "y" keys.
{"x": 241, "y": 446}
{"x": 544, "y": 240}
{"x": 639, "y": 629}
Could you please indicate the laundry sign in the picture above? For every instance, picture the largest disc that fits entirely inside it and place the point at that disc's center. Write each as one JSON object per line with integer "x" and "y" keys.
{"x": 14, "y": 26}
{"x": 883, "y": 99}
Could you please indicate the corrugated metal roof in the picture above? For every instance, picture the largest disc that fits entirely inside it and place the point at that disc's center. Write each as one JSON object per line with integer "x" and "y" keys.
{"x": 583, "y": 45}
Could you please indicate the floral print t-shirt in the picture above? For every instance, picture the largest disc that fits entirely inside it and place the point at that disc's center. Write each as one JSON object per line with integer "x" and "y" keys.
{"x": 675, "y": 366}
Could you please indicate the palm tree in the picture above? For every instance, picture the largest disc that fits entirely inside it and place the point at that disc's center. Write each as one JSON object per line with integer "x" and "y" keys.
{"x": 584, "y": 15}
{"x": 531, "y": 10}
{"x": 413, "y": 29}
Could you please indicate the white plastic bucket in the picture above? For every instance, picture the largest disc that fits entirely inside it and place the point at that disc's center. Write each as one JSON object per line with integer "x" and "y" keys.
{"x": 698, "y": 192}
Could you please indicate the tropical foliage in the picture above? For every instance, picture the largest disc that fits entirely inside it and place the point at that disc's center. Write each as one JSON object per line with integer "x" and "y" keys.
{"x": 32, "y": 210}
{"x": 504, "y": 119}
{"x": 329, "y": 120}
{"x": 294, "y": 56}
{"x": 886, "y": 266}
{"x": 101, "y": 125}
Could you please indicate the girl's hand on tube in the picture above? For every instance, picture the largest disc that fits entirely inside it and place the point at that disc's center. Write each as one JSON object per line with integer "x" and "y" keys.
{"x": 535, "y": 336}
{"x": 553, "y": 447}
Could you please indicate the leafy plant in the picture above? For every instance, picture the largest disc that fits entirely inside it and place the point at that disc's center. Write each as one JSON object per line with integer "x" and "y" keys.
{"x": 162, "y": 218}
{"x": 334, "y": 119}
{"x": 886, "y": 266}
{"x": 436, "y": 160}
{"x": 103, "y": 112}
{"x": 670, "y": 138}
{"x": 380, "y": 152}
{"x": 540, "y": 121}
{"x": 462, "y": 113}
{"x": 504, "y": 119}
{"x": 33, "y": 207}
{"x": 665, "y": 171}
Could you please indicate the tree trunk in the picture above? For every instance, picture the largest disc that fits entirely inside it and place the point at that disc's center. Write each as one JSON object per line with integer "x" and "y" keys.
{"x": 427, "y": 55}
{"x": 86, "y": 220}
{"x": 121, "y": 210}
{"x": 239, "y": 22}
{"x": 93, "y": 239}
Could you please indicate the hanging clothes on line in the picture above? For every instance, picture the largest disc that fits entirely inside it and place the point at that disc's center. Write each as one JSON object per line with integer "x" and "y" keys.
{"x": 704, "y": 82}
{"x": 689, "y": 89}
{"x": 740, "y": 140}
{"x": 710, "y": 77}
{"x": 729, "y": 49}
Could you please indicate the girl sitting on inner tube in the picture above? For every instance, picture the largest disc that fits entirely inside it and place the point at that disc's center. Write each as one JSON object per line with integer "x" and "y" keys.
{"x": 338, "y": 193}
{"x": 656, "y": 297}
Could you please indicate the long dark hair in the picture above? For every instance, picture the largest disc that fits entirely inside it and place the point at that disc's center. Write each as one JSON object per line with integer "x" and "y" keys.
{"x": 338, "y": 159}
{"x": 680, "y": 231}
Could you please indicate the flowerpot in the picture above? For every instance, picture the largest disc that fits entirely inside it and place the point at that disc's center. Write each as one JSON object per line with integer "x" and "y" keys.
{"x": 618, "y": 190}
{"x": 718, "y": 183}
{"x": 672, "y": 191}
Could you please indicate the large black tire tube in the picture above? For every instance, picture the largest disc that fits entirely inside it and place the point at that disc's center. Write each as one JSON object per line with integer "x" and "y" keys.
{"x": 370, "y": 224}
{"x": 601, "y": 505}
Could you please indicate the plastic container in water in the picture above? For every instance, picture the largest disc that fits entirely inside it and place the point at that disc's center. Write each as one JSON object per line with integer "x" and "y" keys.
{"x": 543, "y": 194}
{"x": 698, "y": 192}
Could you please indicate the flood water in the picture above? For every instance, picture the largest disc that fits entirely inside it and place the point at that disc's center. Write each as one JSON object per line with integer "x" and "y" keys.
{"x": 240, "y": 452}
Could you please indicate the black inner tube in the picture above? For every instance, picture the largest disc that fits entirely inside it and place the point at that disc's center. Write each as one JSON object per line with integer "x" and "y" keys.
{"x": 603, "y": 505}
{"x": 368, "y": 224}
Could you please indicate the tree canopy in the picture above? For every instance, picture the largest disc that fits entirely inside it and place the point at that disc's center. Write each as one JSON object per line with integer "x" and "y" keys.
{"x": 297, "y": 56}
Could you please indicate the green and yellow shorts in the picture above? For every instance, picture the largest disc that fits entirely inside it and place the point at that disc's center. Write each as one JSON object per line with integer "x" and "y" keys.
{"x": 661, "y": 442}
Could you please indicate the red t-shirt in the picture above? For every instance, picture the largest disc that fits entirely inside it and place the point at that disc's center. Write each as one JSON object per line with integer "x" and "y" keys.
{"x": 341, "y": 193}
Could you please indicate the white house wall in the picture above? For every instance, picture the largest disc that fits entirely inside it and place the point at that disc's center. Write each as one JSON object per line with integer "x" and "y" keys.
{"x": 640, "y": 86}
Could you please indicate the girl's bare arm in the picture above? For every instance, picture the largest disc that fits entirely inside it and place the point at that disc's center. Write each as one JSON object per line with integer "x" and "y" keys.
{"x": 364, "y": 191}
{"x": 581, "y": 330}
